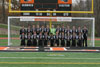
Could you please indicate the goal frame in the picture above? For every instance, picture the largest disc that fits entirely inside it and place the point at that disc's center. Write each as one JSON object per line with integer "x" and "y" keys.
{"x": 83, "y": 18}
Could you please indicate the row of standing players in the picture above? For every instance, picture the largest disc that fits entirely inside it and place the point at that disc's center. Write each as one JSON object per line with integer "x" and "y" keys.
{"x": 60, "y": 36}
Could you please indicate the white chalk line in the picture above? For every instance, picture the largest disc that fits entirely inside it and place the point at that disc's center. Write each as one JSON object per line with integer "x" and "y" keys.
{"x": 50, "y": 58}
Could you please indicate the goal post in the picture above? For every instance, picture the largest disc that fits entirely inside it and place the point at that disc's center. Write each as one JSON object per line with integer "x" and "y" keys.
{"x": 16, "y": 22}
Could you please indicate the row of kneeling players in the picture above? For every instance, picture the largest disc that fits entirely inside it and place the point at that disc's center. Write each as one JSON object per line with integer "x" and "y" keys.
{"x": 53, "y": 40}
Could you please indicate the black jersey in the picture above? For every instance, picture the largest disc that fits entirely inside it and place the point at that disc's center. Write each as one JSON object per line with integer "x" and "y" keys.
{"x": 74, "y": 39}
{"x": 62, "y": 29}
{"x": 57, "y": 37}
{"x": 29, "y": 42}
{"x": 52, "y": 40}
{"x": 37, "y": 31}
{"x": 63, "y": 40}
{"x": 62, "y": 37}
{"x": 74, "y": 31}
{"x": 57, "y": 40}
{"x": 85, "y": 33}
{"x": 22, "y": 31}
{"x": 58, "y": 30}
{"x": 46, "y": 37}
{"x": 34, "y": 41}
{"x": 79, "y": 31}
{"x": 28, "y": 31}
{"x": 33, "y": 30}
{"x": 41, "y": 37}
{"x": 45, "y": 40}
{"x": 47, "y": 30}
{"x": 80, "y": 41}
{"x": 42, "y": 30}
{"x": 67, "y": 31}
{"x": 52, "y": 37}
{"x": 34, "y": 36}
{"x": 68, "y": 38}
{"x": 23, "y": 37}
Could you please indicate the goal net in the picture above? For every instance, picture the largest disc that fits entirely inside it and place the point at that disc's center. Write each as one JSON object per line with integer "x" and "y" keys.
{"x": 16, "y": 23}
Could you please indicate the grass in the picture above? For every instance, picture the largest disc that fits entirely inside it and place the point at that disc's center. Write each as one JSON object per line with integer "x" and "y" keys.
{"x": 3, "y": 42}
{"x": 30, "y": 59}
{"x": 5, "y": 26}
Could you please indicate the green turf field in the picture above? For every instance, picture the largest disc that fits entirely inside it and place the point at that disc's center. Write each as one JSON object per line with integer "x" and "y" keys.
{"x": 3, "y": 42}
{"x": 30, "y": 59}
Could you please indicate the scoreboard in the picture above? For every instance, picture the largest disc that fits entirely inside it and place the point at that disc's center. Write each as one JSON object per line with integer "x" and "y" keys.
{"x": 45, "y": 5}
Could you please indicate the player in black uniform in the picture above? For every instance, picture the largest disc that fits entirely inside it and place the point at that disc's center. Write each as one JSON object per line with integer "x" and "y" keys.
{"x": 34, "y": 39}
{"x": 42, "y": 30}
{"x": 68, "y": 40}
{"x": 28, "y": 30}
{"x": 40, "y": 41}
{"x": 38, "y": 30}
{"x": 74, "y": 38}
{"x": 63, "y": 29}
{"x": 85, "y": 36}
{"x": 45, "y": 39}
{"x": 62, "y": 39}
{"x": 47, "y": 29}
{"x": 58, "y": 30}
{"x": 22, "y": 31}
{"x": 79, "y": 30}
{"x": 80, "y": 40}
{"x": 23, "y": 39}
{"x": 74, "y": 30}
{"x": 33, "y": 29}
{"x": 29, "y": 42}
{"x": 52, "y": 40}
{"x": 68, "y": 30}
{"x": 57, "y": 39}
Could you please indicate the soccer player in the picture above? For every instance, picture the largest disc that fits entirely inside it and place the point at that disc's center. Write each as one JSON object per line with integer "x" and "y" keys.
{"x": 40, "y": 41}
{"x": 47, "y": 29}
{"x": 63, "y": 29}
{"x": 38, "y": 30}
{"x": 42, "y": 30}
{"x": 58, "y": 29}
{"x": 53, "y": 30}
{"x": 23, "y": 38}
{"x": 29, "y": 30}
{"x": 34, "y": 39}
{"x": 85, "y": 36}
{"x": 74, "y": 38}
{"x": 29, "y": 42}
{"x": 62, "y": 39}
{"x": 45, "y": 39}
{"x": 52, "y": 40}
{"x": 68, "y": 30}
{"x": 79, "y": 30}
{"x": 68, "y": 40}
{"x": 74, "y": 30}
{"x": 57, "y": 39}
{"x": 22, "y": 31}
{"x": 33, "y": 29}
{"x": 80, "y": 40}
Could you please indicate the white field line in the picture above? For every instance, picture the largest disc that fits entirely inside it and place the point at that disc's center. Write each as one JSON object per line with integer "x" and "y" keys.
{"x": 50, "y": 58}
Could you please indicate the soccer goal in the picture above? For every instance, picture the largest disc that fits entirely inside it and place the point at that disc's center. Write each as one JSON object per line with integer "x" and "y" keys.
{"x": 15, "y": 23}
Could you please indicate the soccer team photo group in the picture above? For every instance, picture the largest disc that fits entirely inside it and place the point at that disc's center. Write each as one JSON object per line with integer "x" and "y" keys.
{"x": 49, "y": 33}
